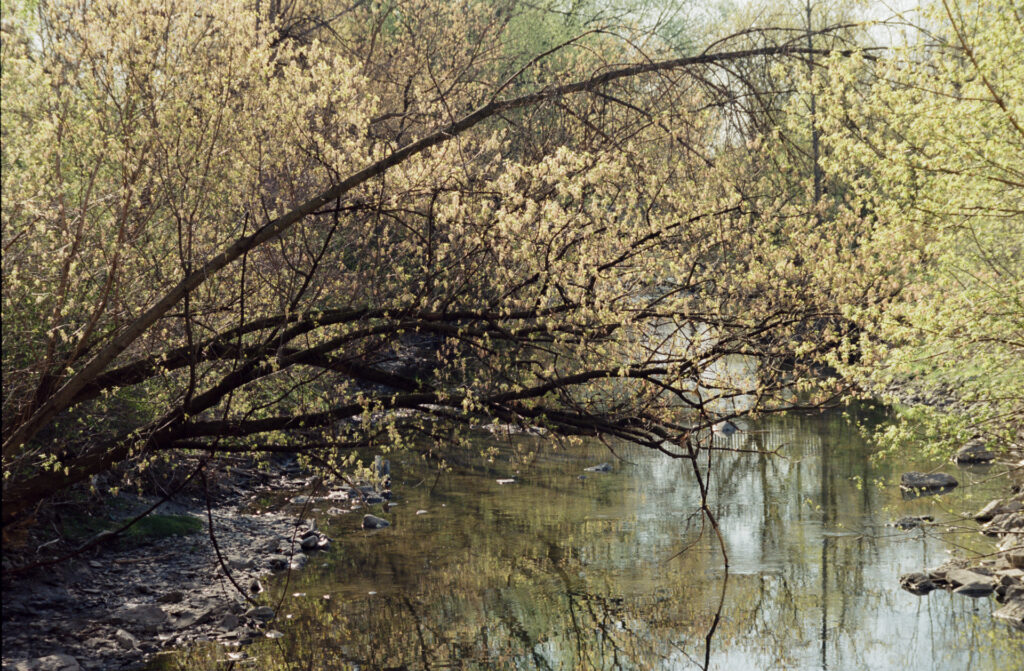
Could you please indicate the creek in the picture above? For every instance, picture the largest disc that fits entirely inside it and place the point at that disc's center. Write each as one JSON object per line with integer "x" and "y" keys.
{"x": 619, "y": 569}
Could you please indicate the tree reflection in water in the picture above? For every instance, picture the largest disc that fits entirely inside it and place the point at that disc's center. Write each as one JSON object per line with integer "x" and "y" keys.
{"x": 623, "y": 571}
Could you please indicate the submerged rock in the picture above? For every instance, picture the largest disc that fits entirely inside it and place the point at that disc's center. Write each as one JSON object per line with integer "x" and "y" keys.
{"x": 919, "y": 484}
{"x": 374, "y": 522}
{"x": 600, "y": 468}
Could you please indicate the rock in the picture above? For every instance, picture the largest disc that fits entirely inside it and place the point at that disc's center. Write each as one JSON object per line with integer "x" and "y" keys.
{"x": 298, "y": 561}
{"x": 260, "y": 613}
{"x": 336, "y": 511}
{"x": 1010, "y": 576}
{"x": 917, "y": 583}
{"x": 270, "y": 545}
{"x": 126, "y": 640}
{"x": 974, "y": 452}
{"x": 48, "y": 663}
{"x": 725, "y": 428}
{"x": 989, "y": 511}
{"x": 1016, "y": 558}
{"x": 185, "y": 618}
{"x": 147, "y": 617}
{"x": 229, "y": 622}
{"x": 310, "y": 542}
{"x": 962, "y": 576}
{"x": 1012, "y": 612}
{"x": 506, "y": 481}
{"x": 241, "y": 563}
{"x": 1004, "y": 523}
{"x": 374, "y": 522}
{"x": 255, "y": 586}
{"x": 976, "y": 589}
{"x": 277, "y": 562}
{"x": 911, "y": 521}
{"x": 600, "y": 468}
{"x": 919, "y": 484}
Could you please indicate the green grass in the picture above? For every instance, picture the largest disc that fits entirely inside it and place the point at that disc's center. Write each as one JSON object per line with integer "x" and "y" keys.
{"x": 150, "y": 528}
{"x": 155, "y": 527}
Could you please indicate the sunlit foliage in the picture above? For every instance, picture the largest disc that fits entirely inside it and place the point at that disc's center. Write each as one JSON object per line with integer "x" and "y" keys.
{"x": 330, "y": 229}
{"x": 931, "y": 140}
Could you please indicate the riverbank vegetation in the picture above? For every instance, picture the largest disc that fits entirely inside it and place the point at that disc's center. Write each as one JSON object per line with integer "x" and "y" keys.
{"x": 335, "y": 229}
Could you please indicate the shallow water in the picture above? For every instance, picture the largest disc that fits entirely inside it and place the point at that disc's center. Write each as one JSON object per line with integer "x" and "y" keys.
{"x": 618, "y": 571}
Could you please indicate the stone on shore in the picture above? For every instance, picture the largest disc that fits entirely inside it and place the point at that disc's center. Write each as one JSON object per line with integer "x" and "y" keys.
{"x": 48, "y": 663}
{"x": 976, "y": 589}
{"x": 1012, "y": 612}
{"x": 126, "y": 640}
{"x": 147, "y": 617}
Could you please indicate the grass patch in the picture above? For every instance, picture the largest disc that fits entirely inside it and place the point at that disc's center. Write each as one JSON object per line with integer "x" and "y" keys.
{"x": 150, "y": 528}
{"x": 155, "y": 527}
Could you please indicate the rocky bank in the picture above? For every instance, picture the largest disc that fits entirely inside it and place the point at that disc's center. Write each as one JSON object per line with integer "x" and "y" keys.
{"x": 112, "y": 608}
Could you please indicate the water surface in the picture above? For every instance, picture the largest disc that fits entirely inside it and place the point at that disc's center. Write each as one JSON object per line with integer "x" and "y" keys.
{"x": 620, "y": 571}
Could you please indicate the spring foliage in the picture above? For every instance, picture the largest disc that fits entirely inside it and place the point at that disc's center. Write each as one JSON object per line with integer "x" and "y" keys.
{"x": 931, "y": 142}
{"x": 336, "y": 229}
